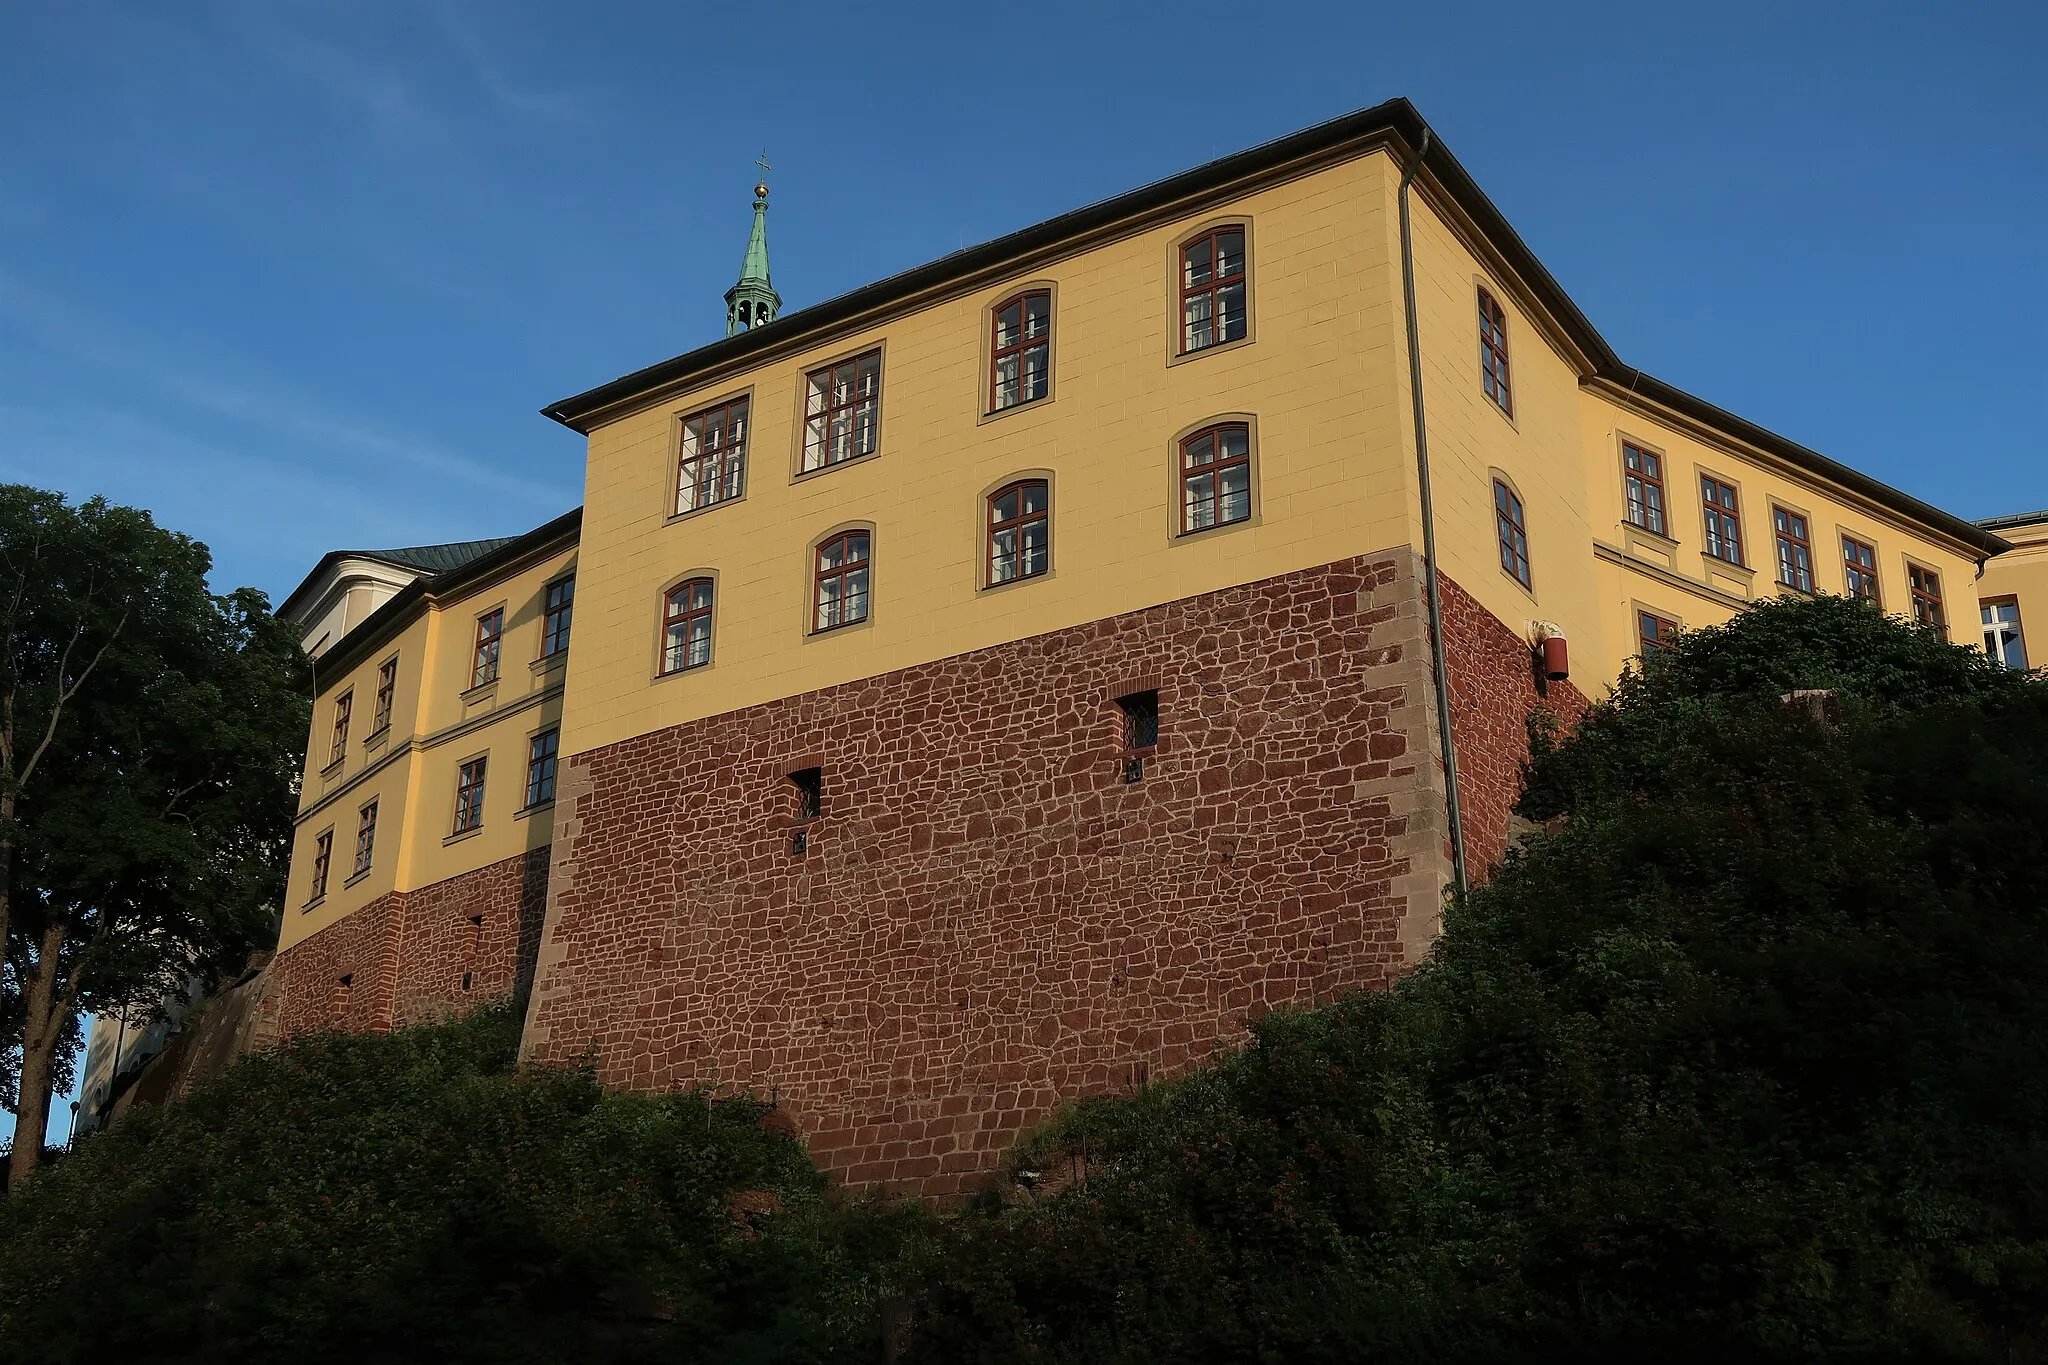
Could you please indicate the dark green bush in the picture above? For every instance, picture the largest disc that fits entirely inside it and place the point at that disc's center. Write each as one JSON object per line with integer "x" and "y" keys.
{"x": 416, "y": 1197}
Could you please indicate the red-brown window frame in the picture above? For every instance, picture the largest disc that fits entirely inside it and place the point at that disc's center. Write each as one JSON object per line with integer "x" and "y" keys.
{"x": 1511, "y": 531}
{"x": 1641, "y": 477}
{"x": 469, "y": 793}
{"x": 997, "y": 352}
{"x": 366, "y": 838}
{"x": 323, "y": 858}
{"x": 676, "y": 611}
{"x": 1017, "y": 524}
{"x": 1495, "y": 378}
{"x": 557, "y": 615}
{"x": 1925, "y": 585}
{"x": 1713, "y": 514}
{"x": 1784, "y": 537}
{"x": 731, "y": 457}
{"x": 1646, "y": 643}
{"x": 1214, "y": 469}
{"x": 543, "y": 766}
{"x": 1213, "y": 286}
{"x": 831, "y": 407}
{"x": 490, "y": 643}
{"x": 1865, "y": 568}
{"x": 387, "y": 690}
{"x": 344, "y": 707}
{"x": 842, "y": 571}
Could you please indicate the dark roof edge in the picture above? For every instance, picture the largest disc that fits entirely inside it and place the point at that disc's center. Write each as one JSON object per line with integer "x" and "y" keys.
{"x": 328, "y": 561}
{"x": 2016, "y": 519}
{"x": 1976, "y": 535}
{"x": 380, "y": 625}
{"x": 1396, "y": 118}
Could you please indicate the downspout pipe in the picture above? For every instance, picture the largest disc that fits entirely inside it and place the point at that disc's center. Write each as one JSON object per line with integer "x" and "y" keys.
{"x": 1439, "y": 657}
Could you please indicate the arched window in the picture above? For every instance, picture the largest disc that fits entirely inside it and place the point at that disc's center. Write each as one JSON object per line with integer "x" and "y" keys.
{"x": 1216, "y": 477}
{"x": 1512, "y": 531}
{"x": 1019, "y": 531}
{"x": 1020, "y": 350}
{"x": 1212, "y": 289}
{"x": 686, "y": 626}
{"x": 840, "y": 593}
{"x": 1493, "y": 353}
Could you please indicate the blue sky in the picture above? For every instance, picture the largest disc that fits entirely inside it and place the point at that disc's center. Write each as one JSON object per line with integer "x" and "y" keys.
{"x": 297, "y": 275}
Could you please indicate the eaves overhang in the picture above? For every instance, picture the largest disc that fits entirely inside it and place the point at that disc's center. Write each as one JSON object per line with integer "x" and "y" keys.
{"x": 1395, "y": 125}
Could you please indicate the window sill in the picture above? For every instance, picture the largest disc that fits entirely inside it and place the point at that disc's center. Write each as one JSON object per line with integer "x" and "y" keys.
{"x": 375, "y": 739}
{"x": 355, "y": 877}
{"x": 840, "y": 629}
{"x": 482, "y": 692}
{"x": 535, "y": 809}
{"x": 1042, "y": 401}
{"x": 1183, "y": 537}
{"x": 1636, "y": 532}
{"x": 333, "y": 770}
{"x": 688, "y": 669}
{"x": 547, "y": 662}
{"x": 1183, "y": 357}
{"x": 741, "y": 496}
{"x": 1716, "y": 564}
{"x": 802, "y": 474}
{"x": 314, "y": 904}
{"x": 459, "y": 835}
{"x": 1019, "y": 582}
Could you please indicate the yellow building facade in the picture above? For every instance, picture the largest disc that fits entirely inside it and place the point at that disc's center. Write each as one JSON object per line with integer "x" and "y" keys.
{"x": 2014, "y": 591}
{"x": 1006, "y": 679}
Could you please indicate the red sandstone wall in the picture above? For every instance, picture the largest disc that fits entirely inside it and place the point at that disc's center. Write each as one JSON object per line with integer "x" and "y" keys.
{"x": 1493, "y": 690}
{"x": 414, "y": 955}
{"x": 989, "y": 919}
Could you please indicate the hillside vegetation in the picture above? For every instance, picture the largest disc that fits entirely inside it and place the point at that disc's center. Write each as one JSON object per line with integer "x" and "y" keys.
{"x": 1747, "y": 1056}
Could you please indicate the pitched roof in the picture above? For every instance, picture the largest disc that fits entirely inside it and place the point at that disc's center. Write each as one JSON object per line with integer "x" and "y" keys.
{"x": 429, "y": 559}
{"x": 2016, "y": 519}
{"x": 1395, "y": 124}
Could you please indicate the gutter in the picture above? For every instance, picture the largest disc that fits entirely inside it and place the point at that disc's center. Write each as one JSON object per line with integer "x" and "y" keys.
{"x": 1439, "y": 657}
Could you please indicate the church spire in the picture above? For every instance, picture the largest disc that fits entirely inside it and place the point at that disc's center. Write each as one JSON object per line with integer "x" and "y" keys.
{"x": 753, "y": 300}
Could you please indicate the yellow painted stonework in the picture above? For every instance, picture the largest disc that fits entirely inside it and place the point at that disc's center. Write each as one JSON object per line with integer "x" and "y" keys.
{"x": 2020, "y": 574}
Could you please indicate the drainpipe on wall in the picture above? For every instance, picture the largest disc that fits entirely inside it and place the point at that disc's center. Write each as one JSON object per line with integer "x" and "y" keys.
{"x": 1438, "y": 655}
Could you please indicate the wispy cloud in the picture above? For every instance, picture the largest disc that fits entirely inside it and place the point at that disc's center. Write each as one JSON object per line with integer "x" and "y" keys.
{"x": 241, "y": 396}
{"x": 528, "y": 101}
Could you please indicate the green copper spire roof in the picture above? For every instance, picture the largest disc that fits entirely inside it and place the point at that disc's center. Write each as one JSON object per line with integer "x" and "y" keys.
{"x": 753, "y": 301}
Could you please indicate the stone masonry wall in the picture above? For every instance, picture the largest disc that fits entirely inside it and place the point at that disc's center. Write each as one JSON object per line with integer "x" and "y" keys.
{"x": 412, "y": 956}
{"x": 1493, "y": 690}
{"x": 988, "y": 918}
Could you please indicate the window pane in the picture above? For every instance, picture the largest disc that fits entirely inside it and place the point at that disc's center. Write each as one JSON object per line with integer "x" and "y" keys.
{"x": 1236, "y": 442}
{"x": 1002, "y": 565}
{"x": 1198, "y": 490}
{"x": 1229, "y": 253}
{"x": 1007, "y": 393}
{"x": 857, "y": 595}
{"x": 1008, "y": 324}
{"x": 1195, "y": 264}
{"x": 1037, "y": 315}
{"x": 1034, "y": 384}
{"x": 1037, "y": 497}
{"x": 1196, "y": 332}
{"x": 1230, "y": 305}
{"x": 1237, "y": 492}
{"x": 1005, "y": 508}
{"x": 1201, "y": 451}
{"x": 1036, "y": 540}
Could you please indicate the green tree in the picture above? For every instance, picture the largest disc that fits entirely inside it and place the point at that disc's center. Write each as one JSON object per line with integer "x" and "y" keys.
{"x": 149, "y": 738}
{"x": 1748, "y": 1057}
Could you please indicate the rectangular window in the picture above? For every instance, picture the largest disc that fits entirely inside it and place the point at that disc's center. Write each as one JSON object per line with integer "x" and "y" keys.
{"x": 559, "y": 607}
{"x": 2002, "y": 638}
{"x": 714, "y": 460}
{"x": 1512, "y": 533}
{"x": 1859, "y": 568}
{"x": 810, "y": 792}
{"x": 469, "y": 795}
{"x": 343, "y": 705}
{"x": 1493, "y": 353}
{"x": 1723, "y": 518}
{"x": 1795, "y": 550}
{"x": 1141, "y": 719}
{"x": 1645, "y": 479}
{"x": 1020, "y": 352}
{"x": 1019, "y": 532}
{"x": 366, "y": 836}
{"x": 1216, "y": 477}
{"x": 387, "y": 689}
{"x": 540, "y": 767}
{"x": 1926, "y": 586}
{"x": 842, "y": 411}
{"x": 323, "y": 857}
{"x": 842, "y": 582}
{"x": 1653, "y": 632}
{"x": 1212, "y": 290}
{"x": 490, "y": 631}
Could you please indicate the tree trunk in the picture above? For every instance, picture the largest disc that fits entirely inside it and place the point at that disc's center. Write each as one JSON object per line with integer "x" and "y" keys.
{"x": 44, "y": 1025}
